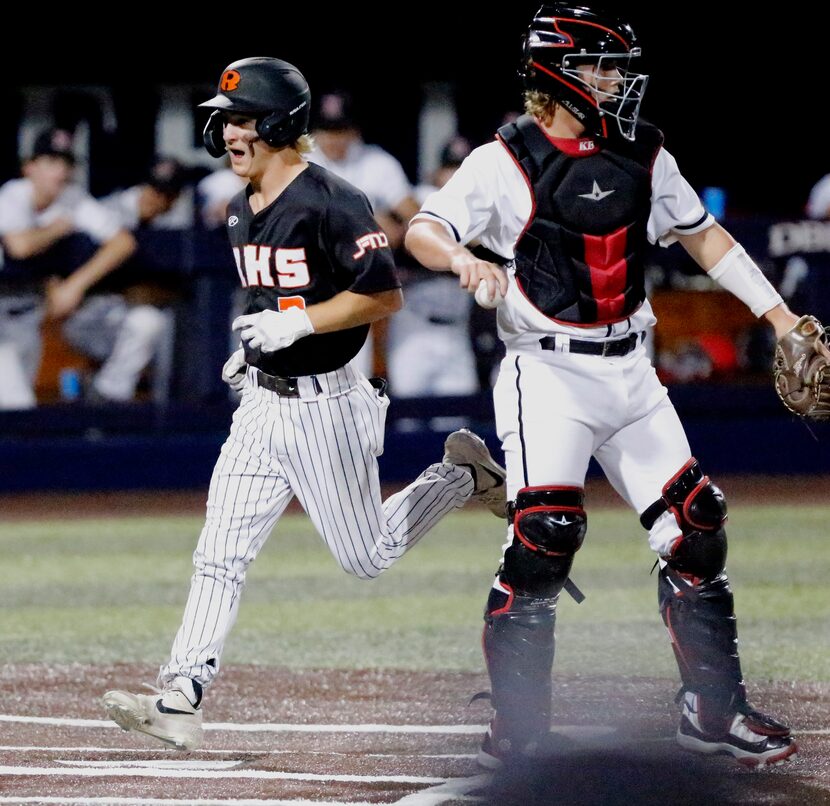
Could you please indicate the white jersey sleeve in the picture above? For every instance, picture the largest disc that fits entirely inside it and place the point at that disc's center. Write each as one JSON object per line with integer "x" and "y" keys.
{"x": 16, "y": 213}
{"x": 91, "y": 217}
{"x": 487, "y": 199}
{"x": 87, "y": 215}
{"x": 676, "y": 208}
{"x": 393, "y": 186}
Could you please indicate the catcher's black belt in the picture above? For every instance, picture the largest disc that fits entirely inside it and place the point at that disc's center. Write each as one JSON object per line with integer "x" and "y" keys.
{"x": 614, "y": 347}
{"x": 285, "y": 387}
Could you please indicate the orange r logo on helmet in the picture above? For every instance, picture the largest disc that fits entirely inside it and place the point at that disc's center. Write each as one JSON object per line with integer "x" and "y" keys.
{"x": 229, "y": 81}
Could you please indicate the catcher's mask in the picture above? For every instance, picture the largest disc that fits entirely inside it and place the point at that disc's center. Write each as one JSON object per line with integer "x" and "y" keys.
{"x": 273, "y": 92}
{"x": 561, "y": 42}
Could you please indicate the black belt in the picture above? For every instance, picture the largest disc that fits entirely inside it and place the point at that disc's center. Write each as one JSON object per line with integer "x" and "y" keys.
{"x": 286, "y": 387}
{"x": 615, "y": 347}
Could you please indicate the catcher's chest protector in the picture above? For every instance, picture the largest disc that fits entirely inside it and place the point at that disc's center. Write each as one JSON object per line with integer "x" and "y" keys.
{"x": 580, "y": 259}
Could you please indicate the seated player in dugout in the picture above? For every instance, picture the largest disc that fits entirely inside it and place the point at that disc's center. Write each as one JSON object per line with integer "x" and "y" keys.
{"x": 309, "y": 423}
{"x": 59, "y": 245}
{"x": 569, "y": 196}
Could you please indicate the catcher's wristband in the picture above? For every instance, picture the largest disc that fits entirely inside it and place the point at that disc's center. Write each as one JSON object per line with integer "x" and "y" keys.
{"x": 738, "y": 273}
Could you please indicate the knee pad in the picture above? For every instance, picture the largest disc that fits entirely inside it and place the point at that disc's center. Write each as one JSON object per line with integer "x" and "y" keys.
{"x": 699, "y": 507}
{"x": 549, "y": 525}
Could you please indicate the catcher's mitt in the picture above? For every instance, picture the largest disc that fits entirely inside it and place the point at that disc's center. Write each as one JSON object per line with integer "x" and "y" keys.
{"x": 801, "y": 362}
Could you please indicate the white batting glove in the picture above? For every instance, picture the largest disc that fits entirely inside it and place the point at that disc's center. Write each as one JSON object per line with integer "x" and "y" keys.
{"x": 270, "y": 331}
{"x": 233, "y": 373}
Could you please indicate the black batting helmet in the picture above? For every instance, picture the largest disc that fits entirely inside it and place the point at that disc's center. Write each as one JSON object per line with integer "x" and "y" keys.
{"x": 272, "y": 91}
{"x": 561, "y": 39}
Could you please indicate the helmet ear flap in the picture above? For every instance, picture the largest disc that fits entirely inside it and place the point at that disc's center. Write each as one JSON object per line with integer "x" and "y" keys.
{"x": 272, "y": 129}
{"x": 213, "y": 134}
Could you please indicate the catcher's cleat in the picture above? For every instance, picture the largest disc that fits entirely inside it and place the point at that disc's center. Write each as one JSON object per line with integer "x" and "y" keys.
{"x": 167, "y": 715}
{"x": 497, "y": 750}
{"x": 463, "y": 447}
{"x": 753, "y": 738}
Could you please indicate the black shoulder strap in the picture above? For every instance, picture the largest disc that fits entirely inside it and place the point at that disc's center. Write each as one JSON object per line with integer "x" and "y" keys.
{"x": 528, "y": 144}
{"x": 643, "y": 150}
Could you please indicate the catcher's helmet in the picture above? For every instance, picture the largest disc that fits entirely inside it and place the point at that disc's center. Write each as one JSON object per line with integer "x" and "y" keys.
{"x": 560, "y": 39}
{"x": 271, "y": 90}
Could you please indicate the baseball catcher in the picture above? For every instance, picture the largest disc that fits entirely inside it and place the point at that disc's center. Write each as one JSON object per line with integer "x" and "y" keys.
{"x": 800, "y": 367}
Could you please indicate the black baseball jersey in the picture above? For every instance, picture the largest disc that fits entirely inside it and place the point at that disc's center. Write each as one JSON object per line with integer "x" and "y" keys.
{"x": 316, "y": 239}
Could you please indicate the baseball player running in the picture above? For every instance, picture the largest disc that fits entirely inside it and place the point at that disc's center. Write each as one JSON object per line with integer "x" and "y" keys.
{"x": 317, "y": 271}
{"x": 568, "y": 196}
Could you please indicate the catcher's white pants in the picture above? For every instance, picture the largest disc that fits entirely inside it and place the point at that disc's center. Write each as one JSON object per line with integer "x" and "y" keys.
{"x": 323, "y": 448}
{"x": 555, "y": 410}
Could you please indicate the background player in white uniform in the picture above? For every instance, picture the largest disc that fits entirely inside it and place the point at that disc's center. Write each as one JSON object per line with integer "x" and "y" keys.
{"x": 128, "y": 325}
{"x": 568, "y": 196}
{"x": 317, "y": 272}
{"x": 429, "y": 350}
{"x": 55, "y": 235}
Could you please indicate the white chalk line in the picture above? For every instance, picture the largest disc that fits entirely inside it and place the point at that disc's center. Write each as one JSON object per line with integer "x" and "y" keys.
{"x": 456, "y": 789}
{"x": 264, "y": 727}
{"x": 267, "y": 775}
{"x": 246, "y": 752}
{"x": 154, "y": 763}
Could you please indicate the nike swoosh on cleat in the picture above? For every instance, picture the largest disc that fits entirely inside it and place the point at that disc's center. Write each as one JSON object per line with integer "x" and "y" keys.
{"x": 165, "y": 710}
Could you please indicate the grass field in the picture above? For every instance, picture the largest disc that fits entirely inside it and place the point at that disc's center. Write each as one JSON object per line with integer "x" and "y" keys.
{"x": 112, "y": 590}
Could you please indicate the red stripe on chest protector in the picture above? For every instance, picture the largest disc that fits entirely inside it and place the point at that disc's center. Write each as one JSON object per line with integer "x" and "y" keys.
{"x": 605, "y": 257}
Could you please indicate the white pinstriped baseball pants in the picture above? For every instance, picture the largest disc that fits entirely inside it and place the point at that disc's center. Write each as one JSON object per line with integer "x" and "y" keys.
{"x": 322, "y": 447}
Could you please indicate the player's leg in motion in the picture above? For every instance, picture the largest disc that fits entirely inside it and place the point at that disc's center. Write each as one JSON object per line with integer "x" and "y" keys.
{"x": 697, "y": 607}
{"x": 333, "y": 440}
{"x": 248, "y": 493}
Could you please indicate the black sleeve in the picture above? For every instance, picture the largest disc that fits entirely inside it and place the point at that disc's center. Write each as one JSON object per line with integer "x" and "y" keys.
{"x": 358, "y": 245}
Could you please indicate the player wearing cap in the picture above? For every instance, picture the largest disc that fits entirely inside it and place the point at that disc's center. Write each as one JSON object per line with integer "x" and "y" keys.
{"x": 317, "y": 271}
{"x": 55, "y": 237}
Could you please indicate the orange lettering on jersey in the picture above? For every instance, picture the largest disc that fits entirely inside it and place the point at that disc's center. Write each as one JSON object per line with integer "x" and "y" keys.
{"x": 284, "y": 303}
{"x": 229, "y": 81}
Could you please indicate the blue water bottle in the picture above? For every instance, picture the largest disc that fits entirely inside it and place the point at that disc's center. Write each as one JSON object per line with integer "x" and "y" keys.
{"x": 714, "y": 200}
{"x": 70, "y": 383}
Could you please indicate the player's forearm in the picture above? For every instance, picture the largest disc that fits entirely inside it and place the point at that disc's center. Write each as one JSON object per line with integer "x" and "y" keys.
{"x": 431, "y": 246}
{"x": 348, "y": 309}
{"x": 109, "y": 257}
{"x": 28, "y": 243}
{"x": 728, "y": 264}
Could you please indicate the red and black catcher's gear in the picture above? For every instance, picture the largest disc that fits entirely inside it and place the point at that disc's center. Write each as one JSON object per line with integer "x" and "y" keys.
{"x": 549, "y": 525}
{"x": 563, "y": 37}
{"x": 270, "y": 90}
{"x": 695, "y": 599}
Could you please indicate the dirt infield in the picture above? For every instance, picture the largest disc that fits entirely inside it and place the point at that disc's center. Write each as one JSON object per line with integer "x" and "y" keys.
{"x": 385, "y": 737}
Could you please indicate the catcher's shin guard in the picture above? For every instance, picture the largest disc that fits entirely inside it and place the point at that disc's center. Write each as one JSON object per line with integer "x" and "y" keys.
{"x": 518, "y": 648}
{"x": 700, "y": 619}
{"x": 549, "y": 526}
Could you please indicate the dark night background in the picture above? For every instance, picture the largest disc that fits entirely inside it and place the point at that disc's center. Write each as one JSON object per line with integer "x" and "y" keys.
{"x": 740, "y": 98}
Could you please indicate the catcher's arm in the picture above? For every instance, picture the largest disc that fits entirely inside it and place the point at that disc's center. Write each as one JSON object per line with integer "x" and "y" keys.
{"x": 801, "y": 356}
{"x": 727, "y": 262}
